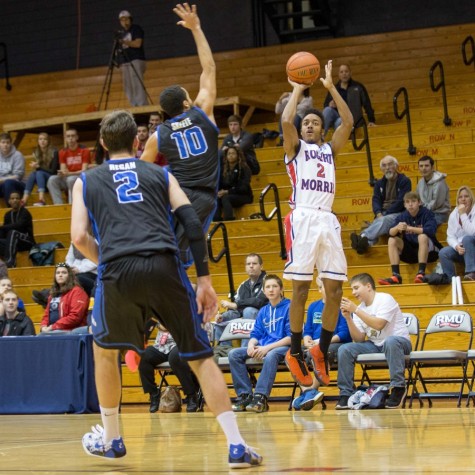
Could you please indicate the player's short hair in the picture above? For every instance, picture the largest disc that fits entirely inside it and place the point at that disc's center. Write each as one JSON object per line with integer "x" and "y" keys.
{"x": 426, "y": 158}
{"x": 171, "y": 100}
{"x": 235, "y": 118}
{"x": 317, "y": 112}
{"x": 364, "y": 279}
{"x": 118, "y": 131}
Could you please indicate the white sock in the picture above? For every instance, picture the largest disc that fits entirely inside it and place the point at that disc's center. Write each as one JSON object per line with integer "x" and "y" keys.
{"x": 110, "y": 421}
{"x": 227, "y": 421}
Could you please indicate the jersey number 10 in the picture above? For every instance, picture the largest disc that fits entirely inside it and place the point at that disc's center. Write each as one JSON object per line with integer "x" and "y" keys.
{"x": 190, "y": 142}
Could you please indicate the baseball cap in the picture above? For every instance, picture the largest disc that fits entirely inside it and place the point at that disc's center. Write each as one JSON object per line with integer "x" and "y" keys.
{"x": 124, "y": 13}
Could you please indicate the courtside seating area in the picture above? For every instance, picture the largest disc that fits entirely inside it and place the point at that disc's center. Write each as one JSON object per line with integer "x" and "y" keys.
{"x": 382, "y": 62}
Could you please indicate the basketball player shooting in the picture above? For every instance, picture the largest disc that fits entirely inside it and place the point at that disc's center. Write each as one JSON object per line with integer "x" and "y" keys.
{"x": 313, "y": 233}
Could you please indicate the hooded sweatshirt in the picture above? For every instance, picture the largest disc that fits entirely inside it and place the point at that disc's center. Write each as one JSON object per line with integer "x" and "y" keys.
{"x": 12, "y": 163}
{"x": 272, "y": 323}
{"x": 435, "y": 194}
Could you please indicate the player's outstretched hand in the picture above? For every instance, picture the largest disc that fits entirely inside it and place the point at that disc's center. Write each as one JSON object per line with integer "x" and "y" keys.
{"x": 188, "y": 15}
{"x": 327, "y": 81}
{"x": 206, "y": 298}
{"x": 299, "y": 86}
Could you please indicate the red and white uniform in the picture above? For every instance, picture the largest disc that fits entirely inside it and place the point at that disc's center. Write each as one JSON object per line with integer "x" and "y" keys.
{"x": 313, "y": 233}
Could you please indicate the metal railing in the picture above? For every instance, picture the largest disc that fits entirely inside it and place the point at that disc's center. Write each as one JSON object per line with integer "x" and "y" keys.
{"x": 441, "y": 85}
{"x": 275, "y": 211}
{"x": 468, "y": 41}
{"x": 4, "y": 60}
{"x": 405, "y": 113}
{"x": 364, "y": 143}
{"x": 223, "y": 252}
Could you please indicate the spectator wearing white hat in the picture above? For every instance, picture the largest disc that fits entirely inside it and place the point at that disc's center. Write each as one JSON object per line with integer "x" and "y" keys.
{"x": 131, "y": 58}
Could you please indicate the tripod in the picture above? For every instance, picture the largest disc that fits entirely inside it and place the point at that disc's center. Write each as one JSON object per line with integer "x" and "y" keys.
{"x": 114, "y": 63}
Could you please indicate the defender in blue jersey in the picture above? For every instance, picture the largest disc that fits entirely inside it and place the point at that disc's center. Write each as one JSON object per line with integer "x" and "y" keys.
{"x": 189, "y": 138}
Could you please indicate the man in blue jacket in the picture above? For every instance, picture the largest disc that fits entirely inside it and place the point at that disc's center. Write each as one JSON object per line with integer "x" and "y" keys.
{"x": 270, "y": 340}
{"x": 412, "y": 239}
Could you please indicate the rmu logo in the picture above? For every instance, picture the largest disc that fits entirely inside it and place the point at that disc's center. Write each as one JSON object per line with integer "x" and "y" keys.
{"x": 241, "y": 328}
{"x": 453, "y": 321}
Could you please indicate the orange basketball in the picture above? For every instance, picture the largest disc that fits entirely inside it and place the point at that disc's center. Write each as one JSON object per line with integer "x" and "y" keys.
{"x": 303, "y": 68}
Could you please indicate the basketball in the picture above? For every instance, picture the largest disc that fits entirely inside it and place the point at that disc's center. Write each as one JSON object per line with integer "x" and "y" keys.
{"x": 303, "y": 68}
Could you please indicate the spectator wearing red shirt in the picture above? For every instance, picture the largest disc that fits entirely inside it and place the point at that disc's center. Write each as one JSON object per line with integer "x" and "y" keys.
{"x": 72, "y": 161}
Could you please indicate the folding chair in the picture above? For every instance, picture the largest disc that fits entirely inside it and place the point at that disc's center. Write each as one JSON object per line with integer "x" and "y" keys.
{"x": 377, "y": 361}
{"x": 471, "y": 392}
{"x": 446, "y": 329}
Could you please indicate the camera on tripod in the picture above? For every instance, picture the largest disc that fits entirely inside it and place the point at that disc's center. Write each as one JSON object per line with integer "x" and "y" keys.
{"x": 118, "y": 34}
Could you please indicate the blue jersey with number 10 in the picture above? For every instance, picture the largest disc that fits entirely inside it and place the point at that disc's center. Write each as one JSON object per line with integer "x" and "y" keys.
{"x": 189, "y": 142}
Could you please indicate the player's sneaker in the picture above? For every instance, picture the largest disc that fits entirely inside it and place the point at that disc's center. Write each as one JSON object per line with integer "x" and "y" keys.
{"x": 93, "y": 444}
{"x": 307, "y": 400}
{"x": 298, "y": 369}
{"x": 395, "y": 279}
{"x": 243, "y": 456}
{"x": 320, "y": 366}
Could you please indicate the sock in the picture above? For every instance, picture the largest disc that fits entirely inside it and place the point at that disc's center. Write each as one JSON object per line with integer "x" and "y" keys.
{"x": 395, "y": 269}
{"x": 110, "y": 421}
{"x": 325, "y": 340}
{"x": 296, "y": 343}
{"x": 227, "y": 421}
{"x": 422, "y": 268}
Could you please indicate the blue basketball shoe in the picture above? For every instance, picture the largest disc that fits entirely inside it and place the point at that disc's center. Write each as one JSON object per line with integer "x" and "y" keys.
{"x": 307, "y": 400}
{"x": 243, "y": 456}
{"x": 93, "y": 444}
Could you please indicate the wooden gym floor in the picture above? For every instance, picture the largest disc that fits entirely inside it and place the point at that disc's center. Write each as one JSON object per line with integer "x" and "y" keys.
{"x": 415, "y": 441}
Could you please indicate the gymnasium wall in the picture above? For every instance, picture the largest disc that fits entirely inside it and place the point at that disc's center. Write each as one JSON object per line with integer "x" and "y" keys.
{"x": 68, "y": 34}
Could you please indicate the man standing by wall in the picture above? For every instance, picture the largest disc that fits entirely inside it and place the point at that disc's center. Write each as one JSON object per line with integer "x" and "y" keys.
{"x": 132, "y": 60}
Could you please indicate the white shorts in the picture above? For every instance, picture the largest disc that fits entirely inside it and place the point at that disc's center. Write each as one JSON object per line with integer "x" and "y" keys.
{"x": 313, "y": 239}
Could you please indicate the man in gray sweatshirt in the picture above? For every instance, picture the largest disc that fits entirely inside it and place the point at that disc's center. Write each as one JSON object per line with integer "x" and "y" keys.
{"x": 12, "y": 168}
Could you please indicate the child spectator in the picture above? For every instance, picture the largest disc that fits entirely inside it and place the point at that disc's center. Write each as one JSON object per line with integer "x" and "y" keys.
{"x": 412, "y": 239}
{"x": 16, "y": 234}
{"x": 44, "y": 164}
{"x": 234, "y": 185}
{"x": 270, "y": 340}
{"x": 67, "y": 304}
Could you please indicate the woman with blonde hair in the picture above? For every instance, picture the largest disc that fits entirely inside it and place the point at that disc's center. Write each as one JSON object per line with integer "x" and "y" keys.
{"x": 460, "y": 238}
{"x": 44, "y": 164}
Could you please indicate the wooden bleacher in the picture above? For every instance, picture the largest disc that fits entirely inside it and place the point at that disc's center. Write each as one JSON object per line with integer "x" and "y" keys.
{"x": 250, "y": 81}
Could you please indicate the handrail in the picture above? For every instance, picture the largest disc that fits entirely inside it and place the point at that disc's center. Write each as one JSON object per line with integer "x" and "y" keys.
{"x": 438, "y": 64}
{"x": 405, "y": 113}
{"x": 276, "y": 210}
{"x": 469, "y": 61}
{"x": 4, "y": 59}
{"x": 364, "y": 143}
{"x": 224, "y": 251}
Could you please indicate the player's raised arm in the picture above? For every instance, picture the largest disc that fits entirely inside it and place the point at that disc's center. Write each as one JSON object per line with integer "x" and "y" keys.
{"x": 207, "y": 93}
{"x": 343, "y": 131}
{"x": 151, "y": 149}
{"x": 289, "y": 132}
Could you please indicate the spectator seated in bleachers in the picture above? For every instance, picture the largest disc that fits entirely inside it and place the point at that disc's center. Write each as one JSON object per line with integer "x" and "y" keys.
{"x": 388, "y": 202}
{"x": 84, "y": 269}
{"x": 67, "y": 304}
{"x": 73, "y": 160}
{"x": 376, "y": 326}
{"x": 44, "y": 164}
{"x": 5, "y": 285}
{"x": 16, "y": 234}
{"x": 12, "y": 168}
{"x": 243, "y": 140}
{"x": 269, "y": 342}
{"x": 433, "y": 190}
{"x": 12, "y": 321}
{"x": 412, "y": 239}
{"x": 165, "y": 349}
{"x": 249, "y": 299}
{"x": 460, "y": 240}
{"x": 234, "y": 184}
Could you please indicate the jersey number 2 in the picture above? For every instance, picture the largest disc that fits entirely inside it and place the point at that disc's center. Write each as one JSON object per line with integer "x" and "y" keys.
{"x": 129, "y": 182}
